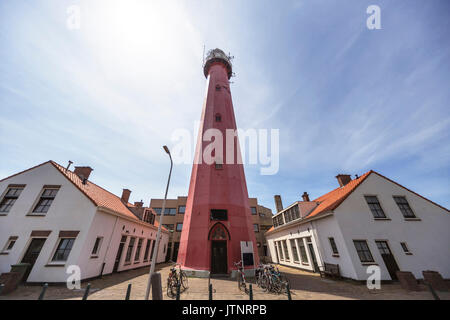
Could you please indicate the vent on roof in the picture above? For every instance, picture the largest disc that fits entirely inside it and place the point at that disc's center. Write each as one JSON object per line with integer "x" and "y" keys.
{"x": 305, "y": 196}
{"x": 83, "y": 172}
{"x": 125, "y": 195}
{"x": 278, "y": 203}
{"x": 343, "y": 179}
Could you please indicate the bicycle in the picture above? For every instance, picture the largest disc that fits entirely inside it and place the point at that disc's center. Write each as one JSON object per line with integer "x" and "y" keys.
{"x": 176, "y": 279}
{"x": 270, "y": 279}
{"x": 241, "y": 276}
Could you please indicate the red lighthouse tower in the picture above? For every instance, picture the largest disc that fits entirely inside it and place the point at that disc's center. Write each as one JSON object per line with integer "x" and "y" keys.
{"x": 217, "y": 218}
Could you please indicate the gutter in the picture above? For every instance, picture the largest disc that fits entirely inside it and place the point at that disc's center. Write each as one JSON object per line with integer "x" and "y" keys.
{"x": 114, "y": 213}
{"x": 300, "y": 222}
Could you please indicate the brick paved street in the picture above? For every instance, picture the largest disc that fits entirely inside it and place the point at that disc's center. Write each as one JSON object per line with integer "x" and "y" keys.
{"x": 304, "y": 286}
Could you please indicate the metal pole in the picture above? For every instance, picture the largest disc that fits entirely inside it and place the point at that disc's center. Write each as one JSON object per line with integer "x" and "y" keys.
{"x": 435, "y": 296}
{"x": 210, "y": 291}
{"x": 127, "y": 297}
{"x": 178, "y": 291}
{"x": 86, "y": 293}
{"x": 158, "y": 234}
{"x": 44, "y": 288}
{"x": 250, "y": 293}
{"x": 288, "y": 290}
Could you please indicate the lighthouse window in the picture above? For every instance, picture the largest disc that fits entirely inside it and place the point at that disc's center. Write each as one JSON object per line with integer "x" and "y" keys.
{"x": 217, "y": 87}
{"x": 219, "y": 215}
{"x": 218, "y": 117}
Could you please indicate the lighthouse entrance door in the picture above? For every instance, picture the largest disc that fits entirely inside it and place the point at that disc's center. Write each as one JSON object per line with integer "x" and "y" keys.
{"x": 219, "y": 257}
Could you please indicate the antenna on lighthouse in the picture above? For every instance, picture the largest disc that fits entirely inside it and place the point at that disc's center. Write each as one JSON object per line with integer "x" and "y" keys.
{"x": 203, "y": 63}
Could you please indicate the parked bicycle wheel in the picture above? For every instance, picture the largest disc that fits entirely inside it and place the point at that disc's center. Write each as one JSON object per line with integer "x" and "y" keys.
{"x": 241, "y": 283}
{"x": 170, "y": 288}
{"x": 184, "y": 280}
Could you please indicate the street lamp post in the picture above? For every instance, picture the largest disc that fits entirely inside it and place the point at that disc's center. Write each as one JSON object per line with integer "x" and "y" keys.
{"x": 158, "y": 235}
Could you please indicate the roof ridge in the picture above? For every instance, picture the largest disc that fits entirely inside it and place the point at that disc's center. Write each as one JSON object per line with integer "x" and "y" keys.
{"x": 64, "y": 170}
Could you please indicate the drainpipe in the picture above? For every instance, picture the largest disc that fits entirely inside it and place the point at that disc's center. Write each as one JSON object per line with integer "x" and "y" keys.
{"x": 109, "y": 244}
{"x": 318, "y": 244}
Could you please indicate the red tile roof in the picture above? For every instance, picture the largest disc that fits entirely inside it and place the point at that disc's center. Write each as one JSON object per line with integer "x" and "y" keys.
{"x": 334, "y": 198}
{"x": 99, "y": 196}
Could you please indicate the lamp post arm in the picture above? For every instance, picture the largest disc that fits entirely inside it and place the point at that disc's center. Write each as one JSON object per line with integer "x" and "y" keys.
{"x": 158, "y": 235}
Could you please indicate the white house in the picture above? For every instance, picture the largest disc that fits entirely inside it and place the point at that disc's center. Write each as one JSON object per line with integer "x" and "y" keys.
{"x": 370, "y": 220}
{"x": 52, "y": 218}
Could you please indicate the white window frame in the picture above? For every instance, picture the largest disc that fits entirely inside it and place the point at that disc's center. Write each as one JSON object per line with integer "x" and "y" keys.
{"x": 8, "y": 242}
{"x": 60, "y": 262}
{"x": 96, "y": 254}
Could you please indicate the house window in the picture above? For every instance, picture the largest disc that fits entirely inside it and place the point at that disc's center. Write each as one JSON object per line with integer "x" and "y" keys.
{"x": 333, "y": 246}
{"x": 276, "y": 251}
{"x": 280, "y": 250}
{"x": 262, "y": 215}
{"x": 10, "y": 198}
{"x": 375, "y": 207}
{"x": 219, "y": 215}
{"x": 405, "y": 247}
{"x": 294, "y": 251}
{"x": 147, "y": 249}
{"x": 97, "y": 245}
{"x": 253, "y": 210}
{"x": 256, "y": 227}
{"x": 9, "y": 244}
{"x": 181, "y": 209}
{"x": 138, "y": 250}
{"x": 404, "y": 207}
{"x": 363, "y": 251}
{"x": 169, "y": 227}
{"x": 130, "y": 249}
{"x": 149, "y": 217}
{"x": 303, "y": 255}
{"x": 278, "y": 220}
{"x": 63, "y": 250}
{"x": 218, "y": 117}
{"x": 45, "y": 201}
{"x": 286, "y": 252}
{"x": 167, "y": 211}
{"x": 179, "y": 227}
{"x": 153, "y": 249}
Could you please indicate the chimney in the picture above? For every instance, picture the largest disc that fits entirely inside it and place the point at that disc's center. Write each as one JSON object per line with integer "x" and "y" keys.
{"x": 278, "y": 203}
{"x": 83, "y": 172}
{"x": 343, "y": 179}
{"x": 139, "y": 204}
{"x": 125, "y": 195}
{"x": 305, "y": 196}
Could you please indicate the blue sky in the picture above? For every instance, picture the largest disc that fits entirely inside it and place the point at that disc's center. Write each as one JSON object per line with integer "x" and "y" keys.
{"x": 346, "y": 99}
